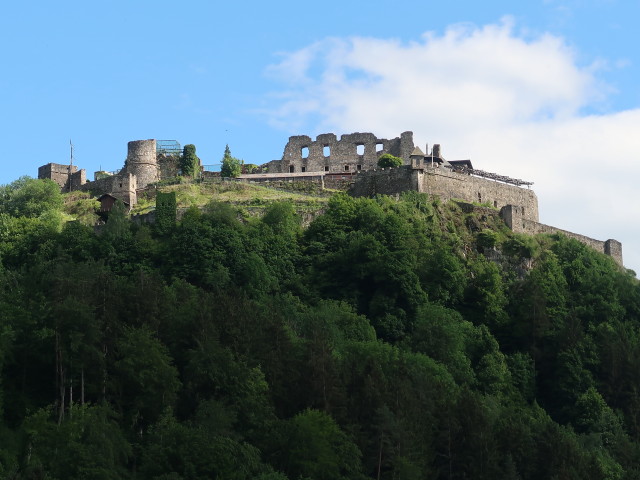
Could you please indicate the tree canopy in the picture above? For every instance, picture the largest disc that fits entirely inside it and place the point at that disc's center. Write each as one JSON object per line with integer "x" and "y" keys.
{"x": 189, "y": 161}
{"x": 378, "y": 342}
{"x": 387, "y": 160}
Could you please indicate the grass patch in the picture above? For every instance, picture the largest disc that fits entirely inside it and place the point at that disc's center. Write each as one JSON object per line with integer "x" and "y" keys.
{"x": 236, "y": 193}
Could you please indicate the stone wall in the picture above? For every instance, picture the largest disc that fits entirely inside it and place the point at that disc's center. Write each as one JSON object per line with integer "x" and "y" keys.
{"x": 142, "y": 162}
{"x": 78, "y": 179}
{"x": 449, "y": 185}
{"x": 385, "y": 181}
{"x": 122, "y": 186}
{"x": 513, "y": 217}
{"x": 169, "y": 165}
{"x": 60, "y": 174}
{"x": 353, "y": 152}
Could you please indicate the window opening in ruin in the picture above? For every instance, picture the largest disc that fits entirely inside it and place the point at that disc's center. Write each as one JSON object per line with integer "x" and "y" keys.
{"x": 523, "y": 211}
{"x": 379, "y": 147}
{"x": 326, "y": 150}
{"x": 346, "y": 168}
{"x": 326, "y": 168}
{"x": 479, "y": 198}
{"x": 495, "y": 204}
{"x": 291, "y": 169}
{"x": 304, "y": 152}
{"x": 120, "y": 185}
{"x": 358, "y": 167}
{"x": 304, "y": 169}
{"x": 360, "y": 149}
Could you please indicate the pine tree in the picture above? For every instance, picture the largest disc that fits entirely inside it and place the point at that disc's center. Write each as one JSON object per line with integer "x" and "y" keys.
{"x": 231, "y": 166}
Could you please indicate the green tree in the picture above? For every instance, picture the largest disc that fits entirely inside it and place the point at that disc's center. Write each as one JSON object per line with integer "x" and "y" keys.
{"x": 317, "y": 448}
{"x": 118, "y": 225}
{"x": 231, "y": 166}
{"x": 89, "y": 444}
{"x": 146, "y": 381}
{"x": 388, "y": 160}
{"x": 28, "y": 197}
{"x": 189, "y": 161}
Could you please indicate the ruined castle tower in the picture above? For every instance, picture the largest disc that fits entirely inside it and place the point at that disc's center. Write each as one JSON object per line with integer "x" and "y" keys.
{"x": 142, "y": 162}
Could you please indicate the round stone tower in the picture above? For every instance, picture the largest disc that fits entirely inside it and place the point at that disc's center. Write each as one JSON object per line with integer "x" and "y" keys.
{"x": 142, "y": 162}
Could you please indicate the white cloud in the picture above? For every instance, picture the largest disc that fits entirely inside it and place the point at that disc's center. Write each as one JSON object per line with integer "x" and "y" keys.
{"x": 512, "y": 104}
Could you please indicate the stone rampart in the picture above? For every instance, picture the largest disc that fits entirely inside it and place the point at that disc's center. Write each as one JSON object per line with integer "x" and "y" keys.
{"x": 353, "y": 152}
{"x": 513, "y": 217}
{"x": 610, "y": 247}
{"x": 385, "y": 181}
{"x": 447, "y": 185}
{"x": 450, "y": 185}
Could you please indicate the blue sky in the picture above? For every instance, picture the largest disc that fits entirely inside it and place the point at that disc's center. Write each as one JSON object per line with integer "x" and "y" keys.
{"x": 542, "y": 90}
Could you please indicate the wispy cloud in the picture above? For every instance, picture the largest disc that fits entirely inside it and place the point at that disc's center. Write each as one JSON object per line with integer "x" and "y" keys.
{"x": 513, "y": 103}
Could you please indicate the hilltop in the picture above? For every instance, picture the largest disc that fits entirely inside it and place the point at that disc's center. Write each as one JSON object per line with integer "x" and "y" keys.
{"x": 392, "y": 337}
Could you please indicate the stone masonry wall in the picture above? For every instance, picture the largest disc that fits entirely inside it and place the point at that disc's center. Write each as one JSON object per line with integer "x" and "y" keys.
{"x": 450, "y": 185}
{"x": 609, "y": 247}
{"x": 122, "y": 186}
{"x": 78, "y": 179}
{"x": 142, "y": 162}
{"x": 60, "y": 174}
{"x": 302, "y": 154}
{"x": 447, "y": 185}
{"x": 169, "y": 165}
{"x": 513, "y": 217}
{"x": 385, "y": 181}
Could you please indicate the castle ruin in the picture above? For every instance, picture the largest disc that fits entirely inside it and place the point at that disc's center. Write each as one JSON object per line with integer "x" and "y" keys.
{"x": 352, "y": 153}
{"x": 350, "y": 161}
{"x": 144, "y": 165}
{"x": 356, "y": 156}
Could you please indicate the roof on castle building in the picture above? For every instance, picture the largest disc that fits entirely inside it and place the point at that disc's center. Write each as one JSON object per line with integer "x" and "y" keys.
{"x": 417, "y": 152}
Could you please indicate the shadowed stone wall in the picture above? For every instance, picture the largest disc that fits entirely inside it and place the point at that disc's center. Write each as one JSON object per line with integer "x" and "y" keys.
{"x": 385, "y": 181}
{"x": 169, "y": 165}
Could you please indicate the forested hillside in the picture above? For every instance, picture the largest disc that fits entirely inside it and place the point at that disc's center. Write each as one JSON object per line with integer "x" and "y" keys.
{"x": 391, "y": 339}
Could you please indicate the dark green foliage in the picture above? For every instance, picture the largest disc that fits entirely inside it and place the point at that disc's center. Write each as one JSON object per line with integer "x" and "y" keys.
{"x": 231, "y": 167}
{"x": 189, "y": 161}
{"x": 166, "y": 210}
{"x": 389, "y": 339}
{"x": 117, "y": 227}
{"x": 316, "y": 448}
{"x": 387, "y": 160}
